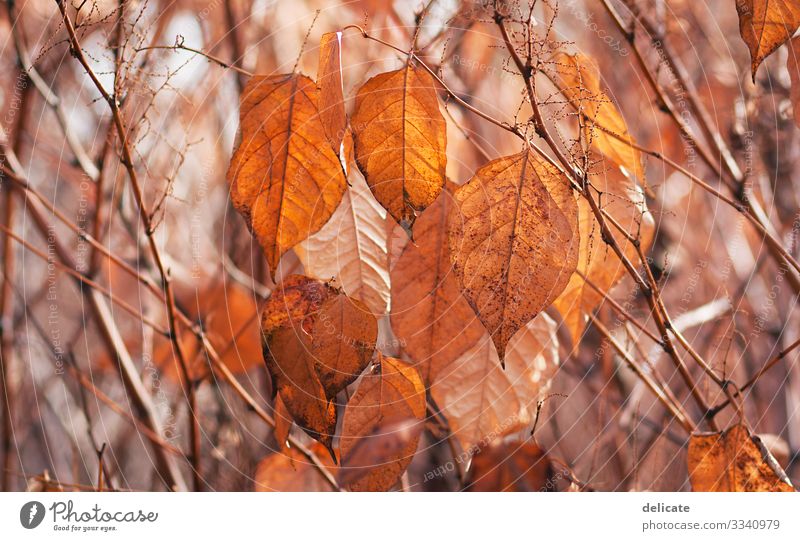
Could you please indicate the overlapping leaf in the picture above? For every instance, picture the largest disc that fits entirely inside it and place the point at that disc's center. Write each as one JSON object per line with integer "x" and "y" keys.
{"x": 511, "y": 466}
{"x": 291, "y": 471}
{"x": 793, "y": 65}
{"x": 429, "y": 315}
{"x": 483, "y": 401}
{"x": 285, "y": 178}
{"x": 579, "y": 80}
{"x": 765, "y": 25}
{"x": 229, "y": 315}
{"x": 400, "y": 141}
{"x": 733, "y": 461}
{"x": 314, "y": 348}
{"x": 331, "y": 93}
{"x": 393, "y": 395}
{"x": 352, "y": 248}
{"x": 624, "y": 201}
{"x": 513, "y": 238}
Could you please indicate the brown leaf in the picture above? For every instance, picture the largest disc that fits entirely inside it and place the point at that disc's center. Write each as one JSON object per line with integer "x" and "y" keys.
{"x": 624, "y": 201}
{"x": 733, "y": 461}
{"x": 400, "y": 139}
{"x": 285, "y": 178}
{"x": 331, "y": 93}
{"x": 316, "y": 342}
{"x": 513, "y": 241}
{"x": 518, "y": 466}
{"x": 352, "y": 248}
{"x": 765, "y": 25}
{"x": 291, "y": 471}
{"x": 793, "y": 65}
{"x": 481, "y": 400}
{"x": 283, "y": 423}
{"x": 578, "y": 79}
{"x": 396, "y": 393}
{"x": 429, "y": 315}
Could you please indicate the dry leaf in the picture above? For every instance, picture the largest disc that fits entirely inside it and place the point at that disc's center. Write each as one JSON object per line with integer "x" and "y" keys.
{"x": 285, "y": 178}
{"x": 624, "y": 201}
{"x": 733, "y": 461}
{"x": 229, "y": 316}
{"x": 292, "y": 471}
{"x": 517, "y": 466}
{"x": 793, "y": 65}
{"x": 578, "y": 79}
{"x": 400, "y": 139}
{"x": 331, "y": 93}
{"x": 352, "y": 248}
{"x": 513, "y": 241}
{"x": 481, "y": 400}
{"x": 380, "y": 446}
{"x": 429, "y": 315}
{"x": 314, "y": 347}
{"x": 395, "y": 393}
{"x": 765, "y": 25}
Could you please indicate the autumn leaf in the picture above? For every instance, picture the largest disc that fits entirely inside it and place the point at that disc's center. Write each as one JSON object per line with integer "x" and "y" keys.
{"x": 511, "y": 466}
{"x": 381, "y": 446}
{"x": 291, "y": 471}
{"x": 316, "y": 342}
{"x": 624, "y": 201}
{"x": 513, "y": 238}
{"x": 285, "y": 178}
{"x": 352, "y": 248}
{"x": 765, "y": 25}
{"x": 578, "y": 79}
{"x": 793, "y": 65}
{"x": 331, "y": 93}
{"x": 734, "y": 461}
{"x": 482, "y": 400}
{"x": 393, "y": 394}
{"x": 400, "y": 139}
{"x": 429, "y": 315}
{"x": 229, "y": 315}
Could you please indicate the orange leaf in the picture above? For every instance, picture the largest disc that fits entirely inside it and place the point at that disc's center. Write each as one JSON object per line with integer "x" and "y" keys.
{"x": 285, "y": 178}
{"x": 734, "y": 461}
{"x": 513, "y": 241}
{"x": 392, "y": 395}
{"x": 316, "y": 342}
{"x": 400, "y": 139}
{"x": 429, "y": 315}
{"x": 578, "y": 79}
{"x": 765, "y": 25}
{"x": 623, "y": 200}
{"x": 331, "y": 92}
{"x": 793, "y": 65}
{"x": 291, "y": 471}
